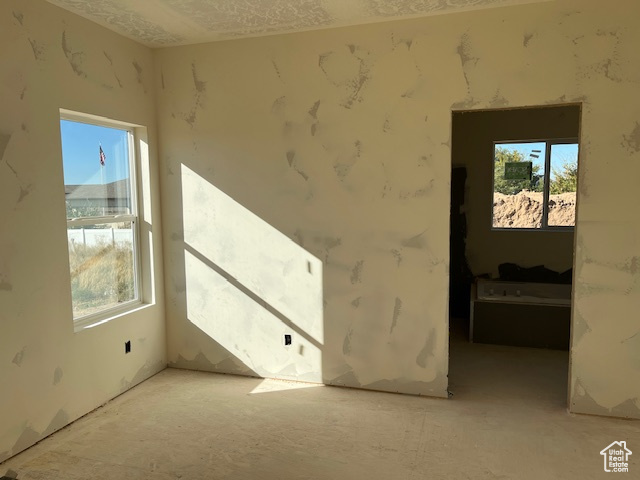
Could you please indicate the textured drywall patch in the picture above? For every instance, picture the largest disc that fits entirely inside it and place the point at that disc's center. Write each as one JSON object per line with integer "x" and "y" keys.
{"x": 19, "y": 16}
{"x": 200, "y": 86}
{"x": 498, "y": 100}
{"x": 146, "y": 371}
{"x": 75, "y": 58}
{"x": 28, "y": 437}
{"x": 300, "y": 172}
{"x": 583, "y": 400}
{"x": 407, "y": 42}
{"x": 397, "y": 308}
{"x": 4, "y": 141}
{"x": 397, "y": 255}
{"x": 632, "y": 140}
{"x": 466, "y": 57}
{"x": 24, "y": 189}
{"x": 406, "y": 387}
{"x": 607, "y": 276}
{"x": 420, "y": 192}
{"x": 277, "y": 70}
{"x": 328, "y": 244}
{"x": 38, "y": 50}
{"x": 57, "y": 376}
{"x": 110, "y": 60}
{"x": 200, "y": 90}
{"x": 427, "y": 350}
{"x": 343, "y": 165}
{"x": 201, "y": 363}
{"x": 139, "y": 79}
{"x": 628, "y": 409}
{"x": 386, "y": 125}
{"x": 527, "y": 39}
{"x": 417, "y": 241}
{"x": 349, "y": 69}
{"x": 60, "y": 420}
{"x": 313, "y": 111}
{"x": 356, "y": 85}
{"x": 348, "y": 379}
{"x": 579, "y": 327}
{"x": 233, "y": 366}
{"x": 279, "y": 104}
{"x": 356, "y": 272}
{"x": 291, "y": 155}
{"x": 346, "y": 345}
{"x": 19, "y": 357}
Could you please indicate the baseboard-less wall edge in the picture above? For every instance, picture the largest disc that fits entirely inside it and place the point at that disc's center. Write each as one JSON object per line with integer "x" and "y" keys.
{"x": 416, "y": 391}
{"x": 31, "y": 438}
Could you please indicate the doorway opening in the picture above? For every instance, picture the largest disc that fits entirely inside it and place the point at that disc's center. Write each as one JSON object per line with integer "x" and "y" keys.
{"x": 513, "y": 203}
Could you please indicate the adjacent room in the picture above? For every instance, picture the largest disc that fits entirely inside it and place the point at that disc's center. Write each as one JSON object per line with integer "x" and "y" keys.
{"x": 301, "y": 238}
{"x": 513, "y": 203}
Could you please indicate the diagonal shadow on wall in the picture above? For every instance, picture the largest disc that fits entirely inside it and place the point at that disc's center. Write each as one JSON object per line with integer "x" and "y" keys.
{"x": 244, "y": 286}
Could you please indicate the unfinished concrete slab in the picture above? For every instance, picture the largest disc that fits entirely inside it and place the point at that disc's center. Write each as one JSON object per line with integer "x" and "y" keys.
{"x": 507, "y": 419}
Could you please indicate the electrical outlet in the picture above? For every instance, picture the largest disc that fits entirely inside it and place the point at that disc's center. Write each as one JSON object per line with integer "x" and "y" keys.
{"x": 127, "y": 346}
{"x": 287, "y": 339}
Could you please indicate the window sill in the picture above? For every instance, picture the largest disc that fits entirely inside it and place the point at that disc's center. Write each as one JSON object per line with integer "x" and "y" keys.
{"x": 91, "y": 321}
{"x": 547, "y": 229}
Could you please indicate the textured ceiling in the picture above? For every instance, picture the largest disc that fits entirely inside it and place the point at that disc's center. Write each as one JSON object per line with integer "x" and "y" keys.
{"x": 159, "y": 23}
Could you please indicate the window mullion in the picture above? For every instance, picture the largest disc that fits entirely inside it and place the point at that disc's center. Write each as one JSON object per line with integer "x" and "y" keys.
{"x": 547, "y": 178}
{"x": 134, "y": 209}
{"x": 84, "y": 221}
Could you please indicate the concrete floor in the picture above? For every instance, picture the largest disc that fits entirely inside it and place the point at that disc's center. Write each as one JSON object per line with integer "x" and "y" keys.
{"x": 507, "y": 419}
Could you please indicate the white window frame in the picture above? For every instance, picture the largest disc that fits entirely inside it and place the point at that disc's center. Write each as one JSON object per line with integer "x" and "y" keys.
{"x": 544, "y": 227}
{"x": 106, "y": 314}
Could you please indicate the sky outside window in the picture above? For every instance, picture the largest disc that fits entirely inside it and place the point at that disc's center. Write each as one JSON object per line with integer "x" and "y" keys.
{"x": 81, "y": 153}
{"x": 562, "y": 153}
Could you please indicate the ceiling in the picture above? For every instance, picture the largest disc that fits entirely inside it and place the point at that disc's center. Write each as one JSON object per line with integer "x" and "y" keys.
{"x": 162, "y": 23}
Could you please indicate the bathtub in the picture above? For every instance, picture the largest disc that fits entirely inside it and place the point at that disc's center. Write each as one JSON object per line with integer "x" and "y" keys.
{"x": 520, "y": 292}
{"x": 520, "y": 314}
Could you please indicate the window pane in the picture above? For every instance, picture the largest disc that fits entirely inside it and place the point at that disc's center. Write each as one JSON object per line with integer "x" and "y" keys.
{"x": 96, "y": 169}
{"x": 562, "y": 185}
{"x": 518, "y": 185}
{"x": 102, "y": 266}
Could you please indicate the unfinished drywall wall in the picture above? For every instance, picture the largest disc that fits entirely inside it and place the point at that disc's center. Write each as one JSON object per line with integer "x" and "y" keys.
{"x": 50, "y": 376}
{"x": 340, "y": 140}
{"x": 473, "y": 135}
{"x": 288, "y": 178}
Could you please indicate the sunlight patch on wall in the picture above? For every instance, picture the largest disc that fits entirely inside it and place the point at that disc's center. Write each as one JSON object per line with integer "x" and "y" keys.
{"x": 248, "y": 285}
{"x": 270, "y": 385}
